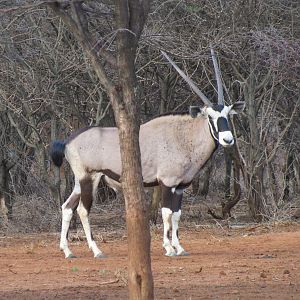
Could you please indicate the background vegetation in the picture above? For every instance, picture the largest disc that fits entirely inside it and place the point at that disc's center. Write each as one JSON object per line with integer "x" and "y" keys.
{"x": 48, "y": 89}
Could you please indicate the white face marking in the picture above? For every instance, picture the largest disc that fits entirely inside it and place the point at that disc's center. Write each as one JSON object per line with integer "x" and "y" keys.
{"x": 225, "y": 138}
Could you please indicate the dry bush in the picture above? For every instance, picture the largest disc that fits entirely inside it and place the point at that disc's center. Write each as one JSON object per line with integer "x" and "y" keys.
{"x": 35, "y": 213}
{"x": 33, "y": 207}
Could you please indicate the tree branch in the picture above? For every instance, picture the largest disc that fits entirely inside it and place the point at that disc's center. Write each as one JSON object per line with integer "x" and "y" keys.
{"x": 85, "y": 43}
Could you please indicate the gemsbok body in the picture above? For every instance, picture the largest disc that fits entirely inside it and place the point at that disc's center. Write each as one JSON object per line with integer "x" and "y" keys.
{"x": 174, "y": 148}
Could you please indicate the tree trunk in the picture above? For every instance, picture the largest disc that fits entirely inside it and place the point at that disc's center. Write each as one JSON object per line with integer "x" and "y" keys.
{"x": 156, "y": 197}
{"x": 4, "y": 199}
{"x": 288, "y": 176}
{"x": 232, "y": 201}
{"x": 254, "y": 178}
{"x": 139, "y": 269}
{"x": 232, "y": 159}
{"x": 55, "y": 187}
{"x": 255, "y": 195}
{"x": 127, "y": 118}
{"x": 228, "y": 167}
{"x": 206, "y": 179}
{"x": 130, "y": 17}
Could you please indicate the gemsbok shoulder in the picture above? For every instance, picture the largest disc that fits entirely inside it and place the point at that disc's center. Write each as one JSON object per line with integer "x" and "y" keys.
{"x": 174, "y": 148}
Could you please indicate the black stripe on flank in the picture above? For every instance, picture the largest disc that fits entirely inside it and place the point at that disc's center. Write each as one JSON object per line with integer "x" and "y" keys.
{"x": 112, "y": 175}
{"x": 116, "y": 177}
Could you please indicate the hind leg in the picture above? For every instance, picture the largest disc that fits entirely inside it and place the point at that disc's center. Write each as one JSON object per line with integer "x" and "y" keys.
{"x": 88, "y": 188}
{"x": 67, "y": 212}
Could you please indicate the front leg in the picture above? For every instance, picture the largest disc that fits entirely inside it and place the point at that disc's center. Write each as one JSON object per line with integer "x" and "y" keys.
{"x": 67, "y": 212}
{"x": 166, "y": 212}
{"x": 176, "y": 207}
{"x": 167, "y": 217}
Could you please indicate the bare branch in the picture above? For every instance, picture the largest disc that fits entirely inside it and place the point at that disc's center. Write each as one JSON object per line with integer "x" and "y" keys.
{"x": 14, "y": 124}
{"x": 85, "y": 43}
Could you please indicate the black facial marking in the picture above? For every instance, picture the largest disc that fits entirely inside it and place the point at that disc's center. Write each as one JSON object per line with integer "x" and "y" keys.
{"x": 215, "y": 133}
{"x": 177, "y": 233}
{"x": 218, "y": 107}
{"x": 222, "y": 124}
{"x": 168, "y": 234}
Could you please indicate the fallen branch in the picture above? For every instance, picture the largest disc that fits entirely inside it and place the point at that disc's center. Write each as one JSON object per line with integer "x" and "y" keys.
{"x": 109, "y": 282}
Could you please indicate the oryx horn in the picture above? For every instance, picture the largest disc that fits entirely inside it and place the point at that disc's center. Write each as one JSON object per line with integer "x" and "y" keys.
{"x": 218, "y": 77}
{"x": 188, "y": 80}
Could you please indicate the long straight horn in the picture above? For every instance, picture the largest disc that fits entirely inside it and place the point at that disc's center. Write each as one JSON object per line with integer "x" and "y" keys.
{"x": 188, "y": 80}
{"x": 218, "y": 77}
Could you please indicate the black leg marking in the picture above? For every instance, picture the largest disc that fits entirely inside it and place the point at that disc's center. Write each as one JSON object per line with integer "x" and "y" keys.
{"x": 171, "y": 200}
{"x": 86, "y": 186}
{"x": 166, "y": 196}
{"x": 73, "y": 203}
{"x": 176, "y": 202}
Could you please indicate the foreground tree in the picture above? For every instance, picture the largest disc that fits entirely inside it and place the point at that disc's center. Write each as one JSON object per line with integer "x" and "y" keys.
{"x": 130, "y": 17}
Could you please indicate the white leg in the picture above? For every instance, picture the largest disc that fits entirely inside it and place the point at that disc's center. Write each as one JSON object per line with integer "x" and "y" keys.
{"x": 83, "y": 214}
{"x": 167, "y": 216}
{"x": 67, "y": 213}
{"x": 175, "y": 240}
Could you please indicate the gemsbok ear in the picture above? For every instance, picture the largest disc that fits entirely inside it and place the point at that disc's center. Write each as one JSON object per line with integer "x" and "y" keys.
{"x": 194, "y": 111}
{"x": 237, "y": 107}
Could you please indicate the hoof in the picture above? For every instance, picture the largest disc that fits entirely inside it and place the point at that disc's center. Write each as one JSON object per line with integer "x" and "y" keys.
{"x": 170, "y": 254}
{"x": 100, "y": 255}
{"x": 184, "y": 253}
{"x": 71, "y": 256}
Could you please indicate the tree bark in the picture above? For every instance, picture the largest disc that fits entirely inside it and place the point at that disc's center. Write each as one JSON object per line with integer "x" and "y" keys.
{"x": 130, "y": 18}
{"x": 3, "y": 194}
{"x": 156, "y": 197}
{"x": 288, "y": 176}
{"x": 231, "y": 201}
{"x": 127, "y": 117}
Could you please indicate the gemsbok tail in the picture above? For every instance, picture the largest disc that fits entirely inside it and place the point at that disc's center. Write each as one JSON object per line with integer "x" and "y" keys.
{"x": 57, "y": 152}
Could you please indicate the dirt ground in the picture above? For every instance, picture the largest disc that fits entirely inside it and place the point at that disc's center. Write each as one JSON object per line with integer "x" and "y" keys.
{"x": 253, "y": 262}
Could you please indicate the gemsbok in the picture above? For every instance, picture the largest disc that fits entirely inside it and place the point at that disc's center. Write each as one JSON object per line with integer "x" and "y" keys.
{"x": 174, "y": 148}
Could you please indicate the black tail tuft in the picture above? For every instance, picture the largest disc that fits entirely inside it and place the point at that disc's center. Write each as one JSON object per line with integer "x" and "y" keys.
{"x": 57, "y": 149}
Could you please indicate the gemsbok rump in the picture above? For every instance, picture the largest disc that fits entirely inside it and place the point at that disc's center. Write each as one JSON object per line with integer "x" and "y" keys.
{"x": 174, "y": 148}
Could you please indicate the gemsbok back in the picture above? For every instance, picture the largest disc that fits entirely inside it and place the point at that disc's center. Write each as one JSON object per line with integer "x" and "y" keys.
{"x": 174, "y": 148}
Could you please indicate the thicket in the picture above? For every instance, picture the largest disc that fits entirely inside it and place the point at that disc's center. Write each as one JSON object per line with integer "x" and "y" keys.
{"x": 48, "y": 89}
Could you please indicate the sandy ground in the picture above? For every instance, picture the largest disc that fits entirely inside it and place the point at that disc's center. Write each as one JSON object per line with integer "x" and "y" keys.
{"x": 256, "y": 262}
